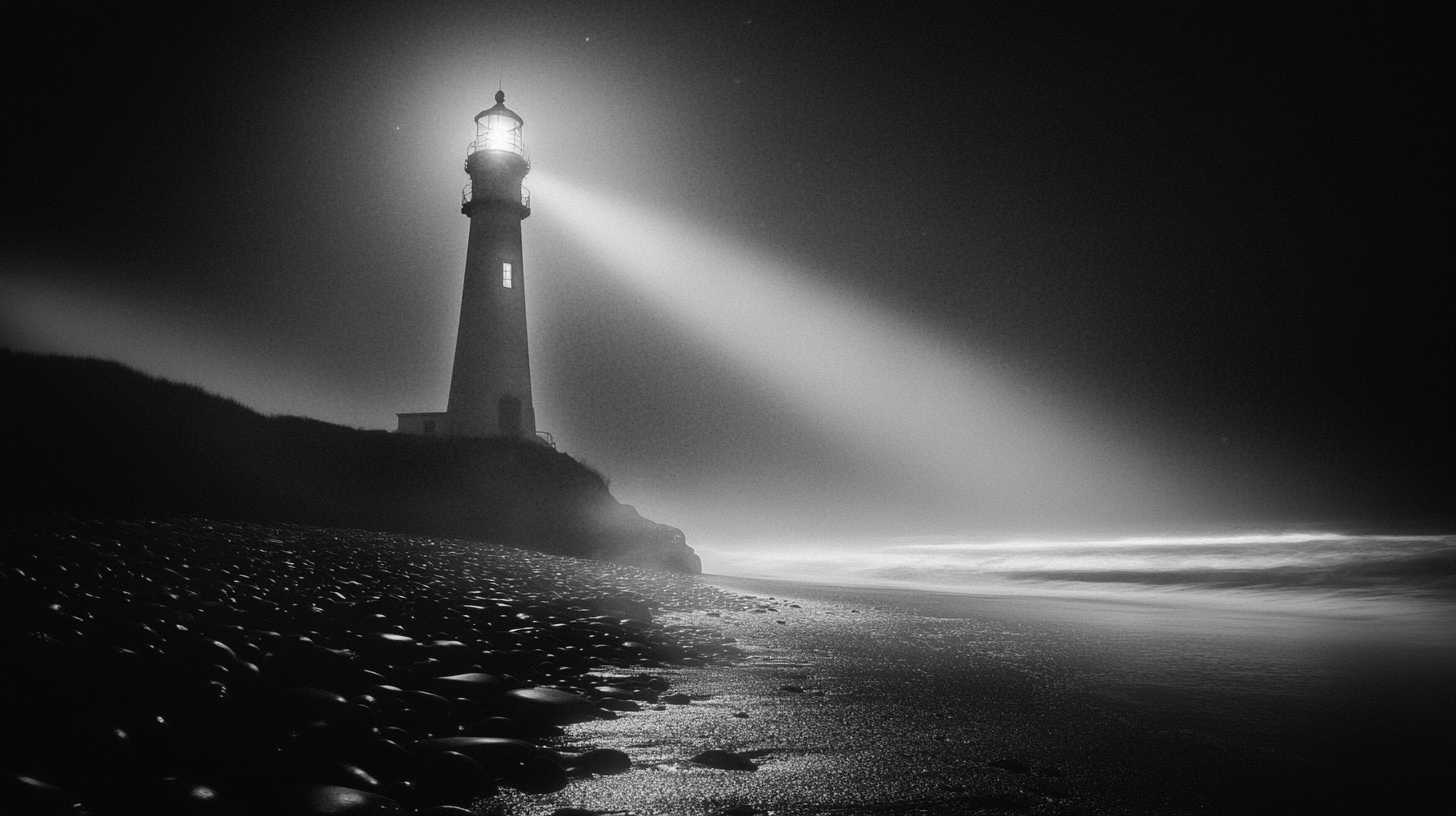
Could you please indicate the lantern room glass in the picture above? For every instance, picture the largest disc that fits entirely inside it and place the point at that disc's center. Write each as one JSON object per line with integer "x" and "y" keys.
{"x": 499, "y": 131}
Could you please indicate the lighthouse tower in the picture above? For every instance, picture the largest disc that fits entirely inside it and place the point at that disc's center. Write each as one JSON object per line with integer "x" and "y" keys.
{"x": 490, "y": 387}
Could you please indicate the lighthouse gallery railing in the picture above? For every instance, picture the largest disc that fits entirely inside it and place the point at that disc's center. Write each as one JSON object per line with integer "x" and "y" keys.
{"x": 467, "y": 191}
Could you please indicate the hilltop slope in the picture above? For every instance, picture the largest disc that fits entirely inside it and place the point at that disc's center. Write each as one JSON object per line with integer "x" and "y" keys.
{"x": 92, "y": 436}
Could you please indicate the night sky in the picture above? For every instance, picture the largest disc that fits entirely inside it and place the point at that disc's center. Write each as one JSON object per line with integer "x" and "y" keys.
{"x": 1196, "y": 248}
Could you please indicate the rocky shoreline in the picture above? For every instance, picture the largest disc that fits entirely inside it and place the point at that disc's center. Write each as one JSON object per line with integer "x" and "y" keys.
{"x": 190, "y": 667}
{"x": 172, "y": 666}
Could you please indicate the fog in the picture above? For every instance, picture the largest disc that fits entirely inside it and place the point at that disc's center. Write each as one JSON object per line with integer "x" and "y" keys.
{"x": 917, "y": 431}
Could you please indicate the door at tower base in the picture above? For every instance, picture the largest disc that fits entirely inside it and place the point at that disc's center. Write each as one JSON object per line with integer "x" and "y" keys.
{"x": 508, "y": 415}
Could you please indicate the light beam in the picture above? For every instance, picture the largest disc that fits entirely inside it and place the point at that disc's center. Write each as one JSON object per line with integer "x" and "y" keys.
{"x": 922, "y": 408}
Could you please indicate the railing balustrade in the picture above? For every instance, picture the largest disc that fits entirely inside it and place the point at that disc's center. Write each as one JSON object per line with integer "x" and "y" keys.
{"x": 466, "y": 195}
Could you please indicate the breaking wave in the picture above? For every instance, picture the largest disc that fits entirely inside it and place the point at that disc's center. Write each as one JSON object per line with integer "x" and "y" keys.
{"x": 1293, "y": 565}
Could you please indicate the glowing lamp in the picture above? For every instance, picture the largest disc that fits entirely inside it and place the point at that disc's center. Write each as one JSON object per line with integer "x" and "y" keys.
{"x": 499, "y": 129}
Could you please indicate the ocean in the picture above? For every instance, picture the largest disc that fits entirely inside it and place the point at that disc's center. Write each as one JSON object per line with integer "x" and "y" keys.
{"x": 1410, "y": 578}
{"x": 1288, "y": 672}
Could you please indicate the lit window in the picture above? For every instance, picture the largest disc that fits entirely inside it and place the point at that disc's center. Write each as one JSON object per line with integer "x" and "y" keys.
{"x": 506, "y": 274}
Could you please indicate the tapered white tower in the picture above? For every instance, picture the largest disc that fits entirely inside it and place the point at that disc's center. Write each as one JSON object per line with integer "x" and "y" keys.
{"x": 490, "y": 387}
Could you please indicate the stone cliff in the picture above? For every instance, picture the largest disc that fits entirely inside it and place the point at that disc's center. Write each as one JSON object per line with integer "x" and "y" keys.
{"x": 91, "y": 436}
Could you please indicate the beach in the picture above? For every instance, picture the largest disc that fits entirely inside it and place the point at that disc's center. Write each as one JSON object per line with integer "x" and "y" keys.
{"x": 874, "y": 701}
{"x": 295, "y": 670}
{"x": 190, "y": 666}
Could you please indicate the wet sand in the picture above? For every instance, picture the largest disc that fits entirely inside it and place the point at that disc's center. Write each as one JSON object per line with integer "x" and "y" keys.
{"x": 868, "y": 701}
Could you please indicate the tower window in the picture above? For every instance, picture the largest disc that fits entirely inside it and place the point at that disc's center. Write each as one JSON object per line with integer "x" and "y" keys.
{"x": 506, "y": 274}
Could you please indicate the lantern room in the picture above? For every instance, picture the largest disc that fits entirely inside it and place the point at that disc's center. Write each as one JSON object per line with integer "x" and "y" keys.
{"x": 499, "y": 130}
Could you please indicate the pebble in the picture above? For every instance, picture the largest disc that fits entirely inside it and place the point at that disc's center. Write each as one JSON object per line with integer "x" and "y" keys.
{"x": 175, "y": 796}
{"x": 499, "y": 727}
{"x": 483, "y": 749}
{"x": 331, "y": 800}
{"x": 549, "y": 706}
{"x": 474, "y": 685}
{"x": 385, "y": 759}
{"x": 452, "y": 778}
{"x": 604, "y": 761}
{"x": 35, "y": 796}
{"x": 306, "y": 704}
{"x": 539, "y": 775}
{"x": 202, "y": 667}
{"x": 724, "y": 760}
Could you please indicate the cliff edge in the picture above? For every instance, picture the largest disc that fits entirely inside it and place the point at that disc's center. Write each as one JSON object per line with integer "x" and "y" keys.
{"x": 92, "y": 436}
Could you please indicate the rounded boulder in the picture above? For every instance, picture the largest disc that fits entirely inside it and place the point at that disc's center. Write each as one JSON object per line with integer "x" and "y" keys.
{"x": 548, "y": 706}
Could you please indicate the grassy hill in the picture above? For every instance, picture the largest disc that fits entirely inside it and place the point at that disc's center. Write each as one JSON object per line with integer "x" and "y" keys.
{"x": 92, "y": 436}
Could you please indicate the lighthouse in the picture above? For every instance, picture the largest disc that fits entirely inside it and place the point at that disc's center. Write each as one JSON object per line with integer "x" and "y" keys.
{"x": 490, "y": 385}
